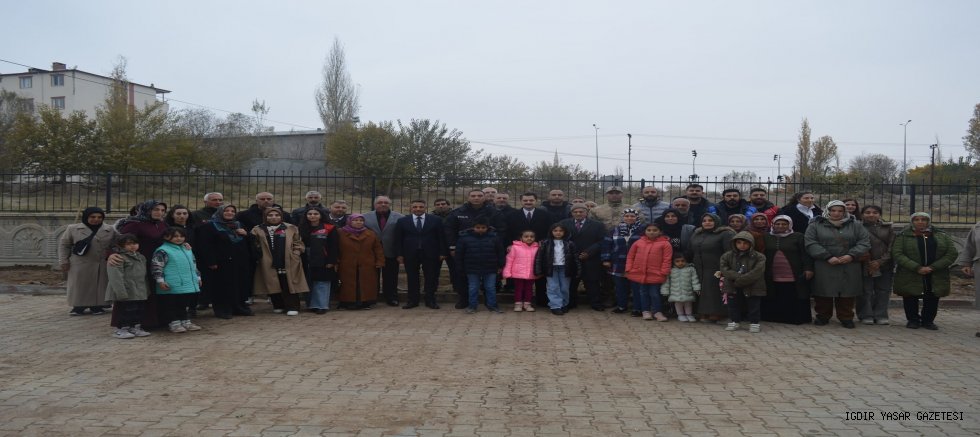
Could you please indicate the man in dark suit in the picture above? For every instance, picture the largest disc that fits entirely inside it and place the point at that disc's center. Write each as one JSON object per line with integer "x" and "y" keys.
{"x": 534, "y": 218}
{"x": 420, "y": 241}
{"x": 382, "y": 222}
{"x": 587, "y": 234}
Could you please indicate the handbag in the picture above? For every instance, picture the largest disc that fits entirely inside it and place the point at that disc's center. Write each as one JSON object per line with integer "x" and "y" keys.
{"x": 81, "y": 246}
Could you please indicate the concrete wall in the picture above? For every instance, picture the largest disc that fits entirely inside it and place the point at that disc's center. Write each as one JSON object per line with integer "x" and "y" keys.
{"x": 82, "y": 91}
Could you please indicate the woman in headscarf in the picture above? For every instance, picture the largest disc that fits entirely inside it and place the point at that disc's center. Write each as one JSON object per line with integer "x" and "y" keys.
{"x": 81, "y": 253}
{"x": 615, "y": 247}
{"x": 360, "y": 258}
{"x": 225, "y": 259}
{"x": 673, "y": 227}
{"x": 969, "y": 259}
{"x": 280, "y": 269}
{"x": 148, "y": 226}
{"x": 801, "y": 209}
{"x": 924, "y": 254}
{"x": 788, "y": 272}
{"x": 737, "y": 222}
{"x": 709, "y": 242}
{"x": 759, "y": 227}
{"x": 836, "y": 242}
{"x": 878, "y": 270}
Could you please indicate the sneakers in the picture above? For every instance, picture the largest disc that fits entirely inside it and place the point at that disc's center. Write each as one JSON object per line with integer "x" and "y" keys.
{"x": 96, "y": 311}
{"x": 754, "y": 328}
{"x": 518, "y": 307}
{"x": 277, "y": 311}
{"x": 647, "y": 315}
{"x": 660, "y": 317}
{"x": 868, "y": 321}
{"x": 122, "y": 333}
{"x": 635, "y": 314}
{"x": 176, "y": 327}
{"x": 557, "y": 312}
{"x": 292, "y": 313}
{"x": 494, "y": 310}
{"x": 691, "y": 318}
{"x": 619, "y": 310}
{"x": 470, "y": 310}
{"x": 681, "y": 318}
{"x": 529, "y": 307}
{"x": 189, "y": 325}
{"x": 882, "y": 322}
{"x": 731, "y": 326}
{"x": 138, "y": 331}
{"x": 77, "y": 311}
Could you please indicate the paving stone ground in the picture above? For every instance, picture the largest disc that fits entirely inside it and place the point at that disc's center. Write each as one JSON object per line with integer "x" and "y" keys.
{"x": 398, "y": 372}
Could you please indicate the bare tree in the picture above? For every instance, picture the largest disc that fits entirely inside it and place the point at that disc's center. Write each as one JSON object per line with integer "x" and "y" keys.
{"x": 802, "y": 164}
{"x": 337, "y": 97}
{"x": 873, "y": 167}
{"x": 815, "y": 160}
{"x": 972, "y": 139}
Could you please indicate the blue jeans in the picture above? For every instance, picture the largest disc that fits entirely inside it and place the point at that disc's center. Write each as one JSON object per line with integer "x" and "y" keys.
{"x": 320, "y": 295}
{"x": 558, "y": 288}
{"x": 623, "y": 288}
{"x": 489, "y": 282}
{"x": 650, "y": 297}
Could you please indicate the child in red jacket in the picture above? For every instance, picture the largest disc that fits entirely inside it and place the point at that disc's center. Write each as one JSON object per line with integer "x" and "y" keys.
{"x": 648, "y": 265}
{"x": 520, "y": 267}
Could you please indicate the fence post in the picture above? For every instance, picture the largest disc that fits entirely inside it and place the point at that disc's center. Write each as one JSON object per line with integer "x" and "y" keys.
{"x": 911, "y": 199}
{"x": 108, "y": 192}
{"x": 374, "y": 190}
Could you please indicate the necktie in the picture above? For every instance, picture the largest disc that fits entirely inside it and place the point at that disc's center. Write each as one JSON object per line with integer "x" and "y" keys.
{"x": 529, "y": 216}
{"x": 578, "y": 225}
{"x": 418, "y": 223}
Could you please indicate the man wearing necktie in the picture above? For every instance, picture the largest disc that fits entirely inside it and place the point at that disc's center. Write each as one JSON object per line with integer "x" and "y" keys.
{"x": 534, "y": 218}
{"x": 420, "y": 242}
{"x": 587, "y": 234}
{"x": 382, "y": 222}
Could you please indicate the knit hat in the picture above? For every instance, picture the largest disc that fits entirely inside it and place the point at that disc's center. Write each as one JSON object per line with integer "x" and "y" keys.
{"x": 630, "y": 211}
{"x": 579, "y": 206}
{"x": 832, "y": 203}
{"x": 921, "y": 214}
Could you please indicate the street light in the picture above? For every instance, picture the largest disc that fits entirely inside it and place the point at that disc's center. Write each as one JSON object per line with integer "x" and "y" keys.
{"x": 932, "y": 174}
{"x": 905, "y": 159}
{"x": 596, "y": 151}
{"x": 779, "y": 167}
{"x": 694, "y": 172}
{"x": 629, "y": 161}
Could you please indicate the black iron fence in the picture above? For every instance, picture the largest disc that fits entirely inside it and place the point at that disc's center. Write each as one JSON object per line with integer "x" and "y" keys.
{"x": 38, "y": 193}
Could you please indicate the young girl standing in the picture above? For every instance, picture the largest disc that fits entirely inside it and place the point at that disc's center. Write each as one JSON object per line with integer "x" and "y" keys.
{"x": 648, "y": 265}
{"x": 682, "y": 288}
{"x": 177, "y": 279}
{"x": 280, "y": 269}
{"x": 321, "y": 258}
{"x": 127, "y": 288}
{"x": 520, "y": 267}
{"x": 556, "y": 261}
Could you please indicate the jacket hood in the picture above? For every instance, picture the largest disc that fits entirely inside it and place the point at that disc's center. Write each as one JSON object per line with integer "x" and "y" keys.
{"x": 745, "y": 236}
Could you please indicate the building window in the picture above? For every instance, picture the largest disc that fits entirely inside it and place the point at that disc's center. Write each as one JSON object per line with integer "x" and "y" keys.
{"x": 58, "y": 102}
{"x": 57, "y": 80}
{"x": 26, "y": 82}
{"x": 26, "y": 104}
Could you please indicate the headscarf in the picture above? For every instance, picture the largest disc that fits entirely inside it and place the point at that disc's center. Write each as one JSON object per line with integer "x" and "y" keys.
{"x": 226, "y": 227}
{"x": 745, "y": 222}
{"x": 352, "y": 230}
{"x": 751, "y": 219}
{"x": 89, "y": 211}
{"x": 928, "y": 230}
{"x": 276, "y": 234}
{"x": 143, "y": 213}
{"x": 788, "y": 230}
{"x": 626, "y": 230}
{"x": 715, "y": 218}
{"x": 826, "y": 212}
{"x": 671, "y": 231}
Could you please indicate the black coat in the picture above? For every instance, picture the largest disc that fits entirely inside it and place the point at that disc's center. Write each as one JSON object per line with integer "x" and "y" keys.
{"x": 462, "y": 218}
{"x": 252, "y": 217}
{"x": 299, "y": 214}
{"x": 517, "y": 223}
{"x": 588, "y": 240}
{"x": 558, "y": 213}
{"x": 800, "y": 220}
{"x": 544, "y": 260}
{"x": 432, "y": 238}
{"x": 479, "y": 254}
{"x": 320, "y": 250}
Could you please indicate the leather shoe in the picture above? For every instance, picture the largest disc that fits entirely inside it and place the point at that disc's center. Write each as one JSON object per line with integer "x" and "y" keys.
{"x": 820, "y": 322}
{"x": 409, "y": 306}
{"x": 393, "y": 303}
{"x": 849, "y": 324}
{"x": 557, "y": 312}
{"x": 461, "y": 305}
{"x": 225, "y": 316}
{"x": 598, "y": 308}
{"x": 432, "y": 305}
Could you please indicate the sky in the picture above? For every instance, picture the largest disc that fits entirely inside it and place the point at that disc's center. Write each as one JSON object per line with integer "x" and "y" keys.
{"x": 732, "y": 80}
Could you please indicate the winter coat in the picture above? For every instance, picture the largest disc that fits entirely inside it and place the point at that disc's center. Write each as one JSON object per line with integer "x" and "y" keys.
{"x": 824, "y": 241}
{"x": 266, "y": 278}
{"x": 544, "y": 261}
{"x": 520, "y": 260}
{"x": 359, "y": 257}
{"x": 742, "y": 207}
{"x": 882, "y": 235}
{"x": 479, "y": 253}
{"x": 321, "y": 250}
{"x": 744, "y": 270}
{"x": 588, "y": 240}
{"x": 800, "y": 220}
{"x": 648, "y": 261}
{"x": 252, "y": 216}
{"x": 127, "y": 281}
{"x": 707, "y": 248}
{"x": 649, "y": 213}
{"x": 462, "y": 218}
{"x": 176, "y": 266}
{"x": 609, "y": 214}
{"x": 615, "y": 248}
{"x": 909, "y": 257}
{"x": 682, "y": 285}
{"x": 558, "y": 212}
{"x": 697, "y": 212}
{"x": 794, "y": 249}
{"x": 87, "y": 278}
{"x": 971, "y": 249}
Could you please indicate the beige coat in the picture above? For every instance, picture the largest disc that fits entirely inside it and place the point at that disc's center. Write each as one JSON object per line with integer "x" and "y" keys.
{"x": 266, "y": 279}
{"x": 87, "y": 278}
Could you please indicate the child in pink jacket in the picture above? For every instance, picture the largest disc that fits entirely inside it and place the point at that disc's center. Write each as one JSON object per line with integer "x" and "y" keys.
{"x": 520, "y": 267}
{"x": 648, "y": 266}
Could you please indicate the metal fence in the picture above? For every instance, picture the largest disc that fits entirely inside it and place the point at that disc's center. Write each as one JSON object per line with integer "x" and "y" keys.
{"x": 39, "y": 193}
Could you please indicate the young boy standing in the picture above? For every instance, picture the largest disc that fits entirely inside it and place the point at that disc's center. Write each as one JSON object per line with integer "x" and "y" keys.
{"x": 480, "y": 255}
{"x": 743, "y": 271}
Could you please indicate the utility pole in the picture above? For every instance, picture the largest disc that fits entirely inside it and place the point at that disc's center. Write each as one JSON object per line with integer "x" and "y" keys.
{"x": 779, "y": 167}
{"x": 694, "y": 171}
{"x": 932, "y": 174}
{"x": 905, "y": 156}
{"x": 629, "y": 164}
{"x": 596, "y": 152}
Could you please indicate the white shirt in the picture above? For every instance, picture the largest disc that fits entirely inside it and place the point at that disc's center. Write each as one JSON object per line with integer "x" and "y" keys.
{"x": 559, "y": 253}
{"x": 806, "y": 210}
{"x": 417, "y": 218}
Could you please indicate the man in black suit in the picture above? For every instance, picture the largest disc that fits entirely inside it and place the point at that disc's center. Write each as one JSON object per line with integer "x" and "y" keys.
{"x": 534, "y": 218}
{"x": 420, "y": 241}
{"x": 587, "y": 234}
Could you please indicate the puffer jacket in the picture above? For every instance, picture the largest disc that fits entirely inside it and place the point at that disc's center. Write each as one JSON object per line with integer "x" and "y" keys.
{"x": 479, "y": 254}
{"x": 648, "y": 261}
{"x": 544, "y": 260}
{"x": 520, "y": 260}
{"x": 882, "y": 236}
{"x": 744, "y": 270}
{"x": 824, "y": 241}
{"x": 907, "y": 253}
{"x": 682, "y": 285}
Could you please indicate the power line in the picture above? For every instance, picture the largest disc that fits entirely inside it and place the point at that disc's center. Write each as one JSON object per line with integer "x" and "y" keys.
{"x": 613, "y": 159}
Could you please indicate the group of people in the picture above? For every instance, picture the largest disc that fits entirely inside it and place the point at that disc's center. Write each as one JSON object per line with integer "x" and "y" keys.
{"x": 744, "y": 260}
